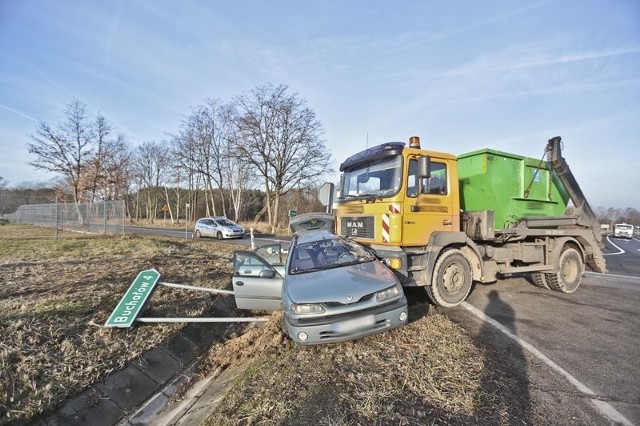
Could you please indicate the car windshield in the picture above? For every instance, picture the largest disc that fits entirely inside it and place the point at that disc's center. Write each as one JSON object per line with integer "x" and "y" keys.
{"x": 225, "y": 222}
{"x": 379, "y": 179}
{"x": 327, "y": 254}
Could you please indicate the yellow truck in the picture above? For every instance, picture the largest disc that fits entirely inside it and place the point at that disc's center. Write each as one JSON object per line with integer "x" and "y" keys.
{"x": 443, "y": 221}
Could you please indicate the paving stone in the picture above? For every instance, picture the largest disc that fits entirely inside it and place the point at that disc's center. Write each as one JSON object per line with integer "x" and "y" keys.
{"x": 90, "y": 408}
{"x": 128, "y": 388}
{"x": 158, "y": 365}
{"x": 150, "y": 411}
{"x": 182, "y": 349}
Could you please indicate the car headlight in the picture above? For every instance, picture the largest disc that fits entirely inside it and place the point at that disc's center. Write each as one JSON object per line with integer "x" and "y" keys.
{"x": 389, "y": 293}
{"x": 306, "y": 308}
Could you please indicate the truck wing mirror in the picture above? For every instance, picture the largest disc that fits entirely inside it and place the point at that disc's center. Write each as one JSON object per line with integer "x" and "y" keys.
{"x": 424, "y": 167}
{"x": 424, "y": 171}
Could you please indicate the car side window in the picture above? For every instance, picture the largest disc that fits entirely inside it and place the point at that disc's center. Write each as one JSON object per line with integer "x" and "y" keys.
{"x": 249, "y": 265}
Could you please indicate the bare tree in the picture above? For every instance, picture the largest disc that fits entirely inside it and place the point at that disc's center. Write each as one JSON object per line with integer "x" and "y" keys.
{"x": 65, "y": 150}
{"x": 107, "y": 168}
{"x": 238, "y": 174}
{"x": 281, "y": 140}
{"x": 151, "y": 162}
{"x": 202, "y": 144}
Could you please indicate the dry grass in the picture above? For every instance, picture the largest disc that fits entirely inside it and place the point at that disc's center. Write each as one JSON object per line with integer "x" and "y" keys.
{"x": 55, "y": 295}
{"x": 429, "y": 372}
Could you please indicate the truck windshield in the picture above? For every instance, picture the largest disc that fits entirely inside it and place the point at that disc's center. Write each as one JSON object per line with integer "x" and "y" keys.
{"x": 377, "y": 179}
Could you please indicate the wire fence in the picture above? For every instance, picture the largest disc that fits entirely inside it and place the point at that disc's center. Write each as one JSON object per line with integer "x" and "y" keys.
{"x": 106, "y": 217}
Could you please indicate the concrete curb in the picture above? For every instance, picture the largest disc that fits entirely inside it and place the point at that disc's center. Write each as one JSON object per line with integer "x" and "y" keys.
{"x": 148, "y": 382}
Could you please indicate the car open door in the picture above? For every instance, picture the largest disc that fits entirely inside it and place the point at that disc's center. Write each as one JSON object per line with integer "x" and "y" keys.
{"x": 256, "y": 283}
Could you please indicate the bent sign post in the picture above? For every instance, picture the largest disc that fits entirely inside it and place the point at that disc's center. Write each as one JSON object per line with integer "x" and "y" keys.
{"x": 134, "y": 299}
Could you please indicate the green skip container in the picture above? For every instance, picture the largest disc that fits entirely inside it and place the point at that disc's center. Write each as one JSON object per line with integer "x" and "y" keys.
{"x": 511, "y": 185}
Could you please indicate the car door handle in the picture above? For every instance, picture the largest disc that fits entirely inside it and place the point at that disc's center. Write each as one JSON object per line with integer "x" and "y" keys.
{"x": 447, "y": 222}
{"x": 239, "y": 283}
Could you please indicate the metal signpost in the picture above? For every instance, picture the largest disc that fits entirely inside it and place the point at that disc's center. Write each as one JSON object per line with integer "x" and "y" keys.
{"x": 135, "y": 299}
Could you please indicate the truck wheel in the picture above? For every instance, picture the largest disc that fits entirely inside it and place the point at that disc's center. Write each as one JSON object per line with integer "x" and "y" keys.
{"x": 540, "y": 280}
{"x": 451, "y": 281}
{"x": 570, "y": 270}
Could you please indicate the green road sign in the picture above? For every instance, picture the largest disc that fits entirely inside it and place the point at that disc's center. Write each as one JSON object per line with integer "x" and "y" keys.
{"x": 134, "y": 299}
{"x": 293, "y": 213}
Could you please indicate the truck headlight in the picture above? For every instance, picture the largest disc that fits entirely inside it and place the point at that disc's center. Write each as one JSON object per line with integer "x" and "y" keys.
{"x": 389, "y": 293}
{"x": 306, "y": 308}
{"x": 393, "y": 262}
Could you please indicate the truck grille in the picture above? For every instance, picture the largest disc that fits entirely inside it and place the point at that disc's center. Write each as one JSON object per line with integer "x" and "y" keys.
{"x": 360, "y": 227}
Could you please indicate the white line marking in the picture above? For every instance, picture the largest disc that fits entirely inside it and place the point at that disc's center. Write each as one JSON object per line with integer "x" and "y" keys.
{"x": 611, "y": 242}
{"x": 611, "y": 275}
{"x": 605, "y": 408}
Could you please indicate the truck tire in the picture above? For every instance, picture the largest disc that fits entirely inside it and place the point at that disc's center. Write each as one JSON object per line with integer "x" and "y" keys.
{"x": 540, "y": 280}
{"x": 451, "y": 280}
{"x": 570, "y": 270}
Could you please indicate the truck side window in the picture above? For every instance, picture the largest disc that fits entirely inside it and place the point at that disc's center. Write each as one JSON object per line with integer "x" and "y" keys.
{"x": 412, "y": 179}
{"x": 437, "y": 183}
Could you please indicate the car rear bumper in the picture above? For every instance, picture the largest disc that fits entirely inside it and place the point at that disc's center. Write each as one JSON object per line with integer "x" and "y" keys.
{"x": 348, "y": 327}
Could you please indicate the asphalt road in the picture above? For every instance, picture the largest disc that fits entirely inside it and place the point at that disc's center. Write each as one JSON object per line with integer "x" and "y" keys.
{"x": 188, "y": 234}
{"x": 591, "y": 334}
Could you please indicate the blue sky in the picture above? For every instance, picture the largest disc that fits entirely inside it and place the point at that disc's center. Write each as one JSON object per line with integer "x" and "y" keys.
{"x": 463, "y": 75}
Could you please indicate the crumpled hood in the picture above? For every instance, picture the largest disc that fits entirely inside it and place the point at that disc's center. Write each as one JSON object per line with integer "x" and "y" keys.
{"x": 337, "y": 284}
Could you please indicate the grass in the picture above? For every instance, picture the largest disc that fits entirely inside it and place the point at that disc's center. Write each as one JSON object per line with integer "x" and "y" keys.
{"x": 55, "y": 295}
{"x": 428, "y": 372}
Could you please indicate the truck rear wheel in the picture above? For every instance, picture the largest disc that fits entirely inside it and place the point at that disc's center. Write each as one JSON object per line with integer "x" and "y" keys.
{"x": 540, "y": 280}
{"x": 570, "y": 270}
{"x": 451, "y": 280}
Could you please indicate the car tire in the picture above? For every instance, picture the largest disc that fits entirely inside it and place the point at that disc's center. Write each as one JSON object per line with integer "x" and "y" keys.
{"x": 198, "y": 234}
{"x": 219, "y": 235}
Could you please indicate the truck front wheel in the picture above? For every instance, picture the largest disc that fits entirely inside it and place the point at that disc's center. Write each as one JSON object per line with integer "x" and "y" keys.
{"x": 451, "y": 280}
{"x": 570, "y": 269}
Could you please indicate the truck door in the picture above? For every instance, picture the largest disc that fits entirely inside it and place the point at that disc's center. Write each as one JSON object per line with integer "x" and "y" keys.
{"x": 431, "y": 209}
{"x": 256, "y": 284}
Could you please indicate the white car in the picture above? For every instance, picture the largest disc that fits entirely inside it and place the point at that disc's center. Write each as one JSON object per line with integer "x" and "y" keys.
{"x": 219, "y": 227}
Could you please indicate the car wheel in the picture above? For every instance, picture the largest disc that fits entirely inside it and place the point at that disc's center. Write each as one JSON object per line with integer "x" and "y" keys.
{"x": 198, "y": 234}
{"x": 219, "y": 235}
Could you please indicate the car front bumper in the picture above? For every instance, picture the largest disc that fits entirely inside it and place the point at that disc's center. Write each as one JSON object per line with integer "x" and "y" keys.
{"x": 350, "y": 326}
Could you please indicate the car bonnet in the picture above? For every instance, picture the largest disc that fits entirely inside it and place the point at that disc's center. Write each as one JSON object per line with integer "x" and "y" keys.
{"x": 344, "y": 284}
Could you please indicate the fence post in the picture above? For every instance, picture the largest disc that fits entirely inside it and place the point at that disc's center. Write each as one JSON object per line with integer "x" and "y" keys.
{"x": 56, "y": 219}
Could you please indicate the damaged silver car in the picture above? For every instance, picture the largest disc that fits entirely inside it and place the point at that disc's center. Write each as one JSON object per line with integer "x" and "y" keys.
{"x": 331, "y": 289}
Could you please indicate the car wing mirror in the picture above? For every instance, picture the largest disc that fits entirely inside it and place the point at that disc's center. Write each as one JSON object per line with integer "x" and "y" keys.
{"x": 267, "y": 273}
